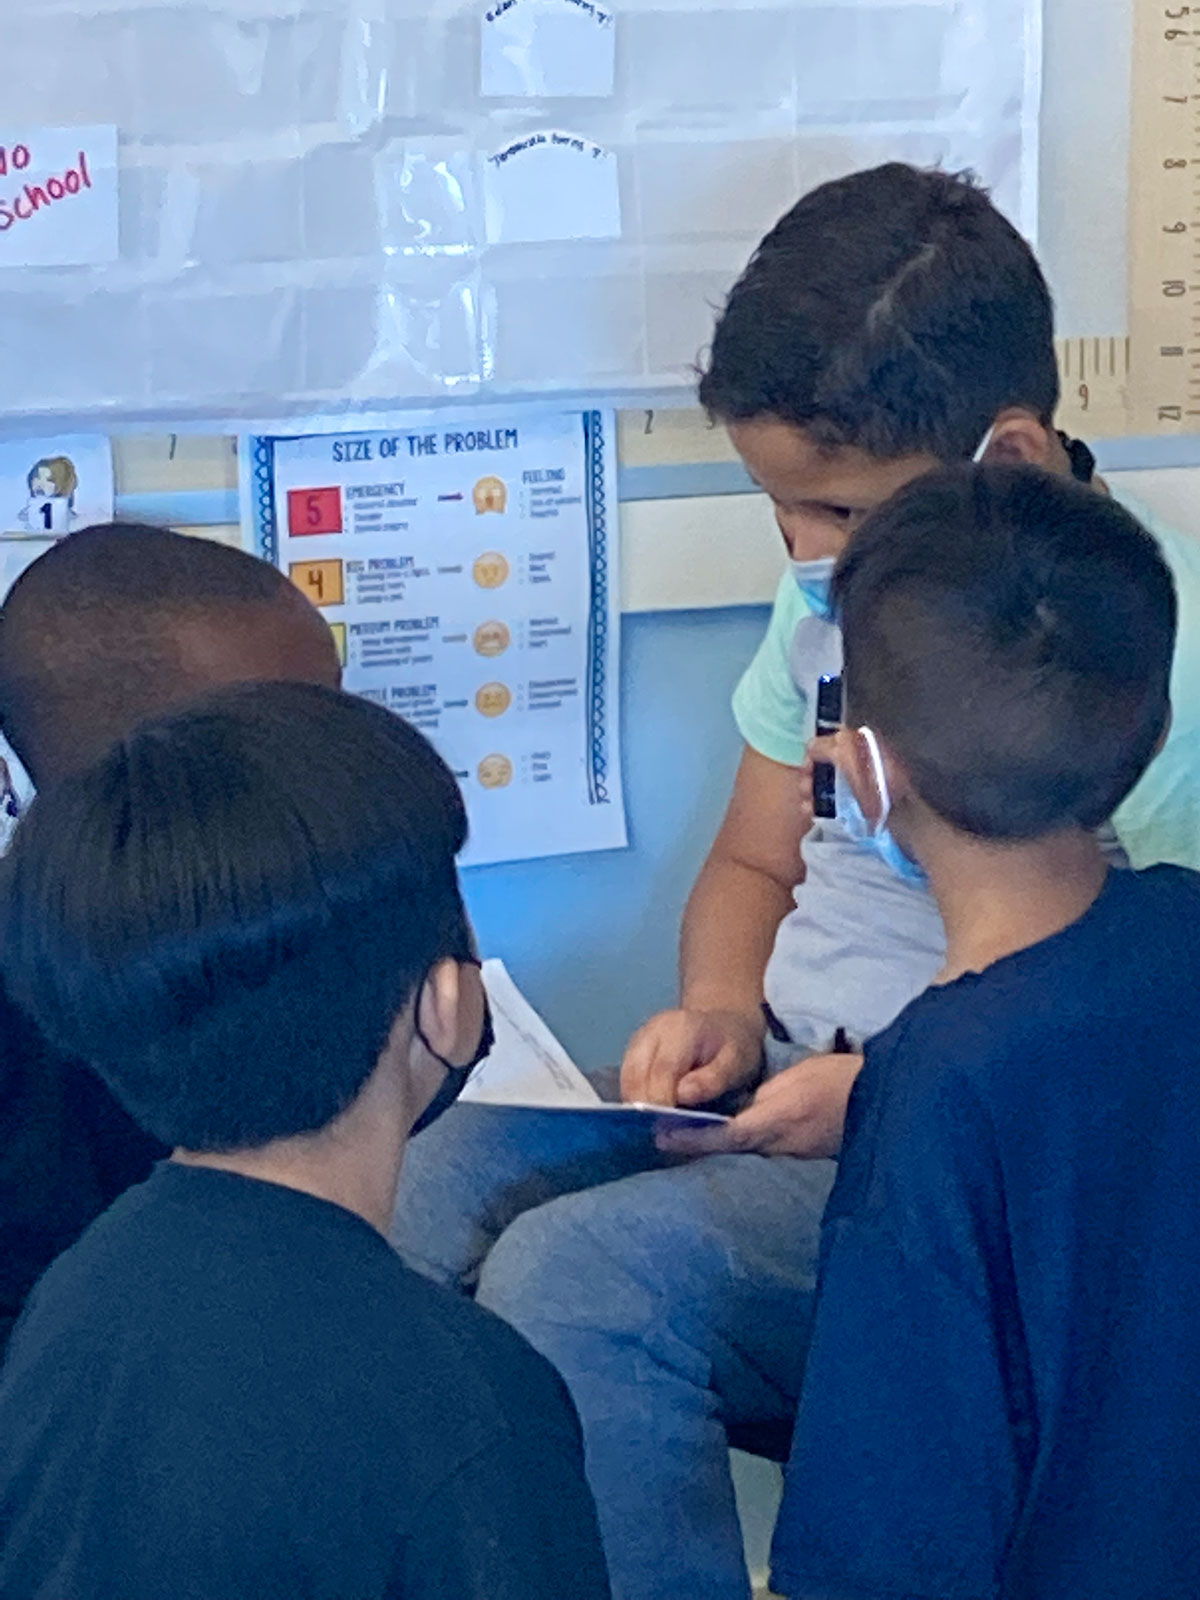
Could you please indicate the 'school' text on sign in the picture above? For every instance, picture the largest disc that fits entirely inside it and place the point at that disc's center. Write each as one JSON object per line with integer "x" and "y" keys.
{"x": 34, "y": 196}
{"x": 58, "y": 197}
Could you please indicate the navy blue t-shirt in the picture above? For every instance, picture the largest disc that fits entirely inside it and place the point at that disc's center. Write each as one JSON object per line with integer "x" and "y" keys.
{"x": 1002, "y": 1397}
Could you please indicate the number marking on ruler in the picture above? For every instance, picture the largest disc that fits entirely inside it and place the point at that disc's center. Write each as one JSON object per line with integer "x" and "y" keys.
{"x": 1164, "y": 212}
{"x": 1094, "y": 374}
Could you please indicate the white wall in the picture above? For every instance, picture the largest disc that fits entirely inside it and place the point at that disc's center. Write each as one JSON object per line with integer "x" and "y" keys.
{"x": 724, "y": 550}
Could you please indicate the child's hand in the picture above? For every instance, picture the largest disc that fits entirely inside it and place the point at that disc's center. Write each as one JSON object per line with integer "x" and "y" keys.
{"x": 689, "y": 1058}
{"x": 825, "y": 748}
{"x": 830, "y": 749}
{"x": 805, "y": 791}
{"x": 798, "y": 1112}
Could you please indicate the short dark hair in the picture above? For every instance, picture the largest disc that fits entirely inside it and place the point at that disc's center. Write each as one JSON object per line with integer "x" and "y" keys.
{"x": 1010, "y": 634}
{"x": 88, "y": 633}
{"x": 227, "y": 913}
{"x": 895, "y": 310}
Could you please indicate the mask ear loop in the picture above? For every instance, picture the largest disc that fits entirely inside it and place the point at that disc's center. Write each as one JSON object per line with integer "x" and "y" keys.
{"x": 488, "y": 1028}
{"x": 881, "y": 784}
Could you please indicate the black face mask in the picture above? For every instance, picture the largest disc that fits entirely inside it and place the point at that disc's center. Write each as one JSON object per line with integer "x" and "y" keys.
{"x": 456, "y": 1077}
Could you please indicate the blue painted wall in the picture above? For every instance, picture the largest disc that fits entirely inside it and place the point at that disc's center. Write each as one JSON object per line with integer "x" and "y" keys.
{"x": 592, "y": 939}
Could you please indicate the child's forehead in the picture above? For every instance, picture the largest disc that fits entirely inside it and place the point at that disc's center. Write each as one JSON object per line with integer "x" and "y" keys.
{"x": 793, "y": 467}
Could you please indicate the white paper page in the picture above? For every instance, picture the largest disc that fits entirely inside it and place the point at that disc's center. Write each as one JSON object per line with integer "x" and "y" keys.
{"x": 527, "y": 1066}
{"x": 16, "y": 792}
{"x": 58, "y": 196}
{"x": 18, "y": 553}
{"x": 551, "y": 185}
{"x": 549, "y": 49}
{"x": 529, "y": 1071}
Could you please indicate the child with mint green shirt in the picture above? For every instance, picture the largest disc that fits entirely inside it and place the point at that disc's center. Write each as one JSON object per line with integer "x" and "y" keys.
{"x": 1159, "y": 822}
{"x": 892, "y": 322}
{"x": 823, "y": 974}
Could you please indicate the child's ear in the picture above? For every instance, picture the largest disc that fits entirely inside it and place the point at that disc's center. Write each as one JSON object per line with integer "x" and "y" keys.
{"x": 853, "y": 756}
{"x": 1019, "y": 439}
{"x": 436, "y": 1009}
{"x": 899, "y": 783}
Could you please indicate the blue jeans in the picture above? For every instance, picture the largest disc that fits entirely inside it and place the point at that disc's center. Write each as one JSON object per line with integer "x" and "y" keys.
{"x": 672, "y": 1298}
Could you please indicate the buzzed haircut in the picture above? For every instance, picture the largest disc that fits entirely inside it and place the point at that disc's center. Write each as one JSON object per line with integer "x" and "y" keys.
{"x": 89, "y": 634}
{"x": 228, "y": 911}
{"x": 895, "y": 310}
{"x": 1010, "y": 634}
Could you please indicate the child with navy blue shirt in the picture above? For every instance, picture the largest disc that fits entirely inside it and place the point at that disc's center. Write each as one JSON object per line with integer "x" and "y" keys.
{"x": 1000, "y": 1397}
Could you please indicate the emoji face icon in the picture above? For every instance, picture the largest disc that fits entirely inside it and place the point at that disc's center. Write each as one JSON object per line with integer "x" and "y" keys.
{"x": 493, "y": 700}
{"x": 491, "y": 570}
{"x": 495, "y": 772}
{"x": 492, "y": 639}
{"x": 490, "y": 494}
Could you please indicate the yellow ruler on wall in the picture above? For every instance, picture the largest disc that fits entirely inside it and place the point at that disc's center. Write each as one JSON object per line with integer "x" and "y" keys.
{"x": 1096, "y": 384}
{"x": 1164, "y": 220}
{"x": 1149, "y": 383}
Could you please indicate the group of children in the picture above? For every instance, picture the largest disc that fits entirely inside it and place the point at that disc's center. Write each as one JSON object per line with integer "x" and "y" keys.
{"x": 948, "y": 1241}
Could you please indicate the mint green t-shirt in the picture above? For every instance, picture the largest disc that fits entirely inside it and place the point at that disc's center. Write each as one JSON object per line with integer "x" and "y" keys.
{"x": 1160, "y": 821}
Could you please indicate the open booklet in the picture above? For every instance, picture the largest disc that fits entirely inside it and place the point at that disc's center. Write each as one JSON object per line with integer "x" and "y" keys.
{"x": 528, "y": 1070}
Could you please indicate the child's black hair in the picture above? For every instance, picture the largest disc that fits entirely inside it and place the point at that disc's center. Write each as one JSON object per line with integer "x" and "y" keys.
{"x": 895, "y": 310}
{"x": 1010, "y": 635}
{"x": 227, "y": 913}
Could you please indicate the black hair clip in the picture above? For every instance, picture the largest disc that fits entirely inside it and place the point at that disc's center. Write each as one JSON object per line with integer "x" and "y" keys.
{"x": 1083, "y": 462}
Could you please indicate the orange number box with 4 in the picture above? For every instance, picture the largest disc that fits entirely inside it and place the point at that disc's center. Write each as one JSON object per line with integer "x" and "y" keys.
{"x": 322, "y": 581}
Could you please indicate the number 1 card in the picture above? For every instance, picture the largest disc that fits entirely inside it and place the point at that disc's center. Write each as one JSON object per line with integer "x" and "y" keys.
{"x": 51, "y": 486}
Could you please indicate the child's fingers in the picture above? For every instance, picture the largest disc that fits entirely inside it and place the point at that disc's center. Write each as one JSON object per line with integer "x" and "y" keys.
{"x": 716, "y": 1077}
{"x": 751, "y": 1131}
{"x": 714, "y": 1141}
{"x": 824, "y": 748}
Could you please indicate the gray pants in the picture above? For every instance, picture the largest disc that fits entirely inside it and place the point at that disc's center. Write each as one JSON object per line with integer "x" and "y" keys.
{"x": 673, "y": 1298}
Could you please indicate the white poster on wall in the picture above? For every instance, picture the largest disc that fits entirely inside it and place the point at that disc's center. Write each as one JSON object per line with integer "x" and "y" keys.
{"x": 548, "y": 49}
{"x": 336, "y": 206}
{"x": 48, "y": 487}
{"x": 467, "y": 565}
{"x": 58, "y": 196}
{"x": 551, "y": 185}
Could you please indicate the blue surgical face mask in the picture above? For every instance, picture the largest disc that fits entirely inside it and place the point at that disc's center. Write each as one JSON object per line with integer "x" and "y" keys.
{"x": 876, "y": 835}
{"x": 814, "y": 579}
